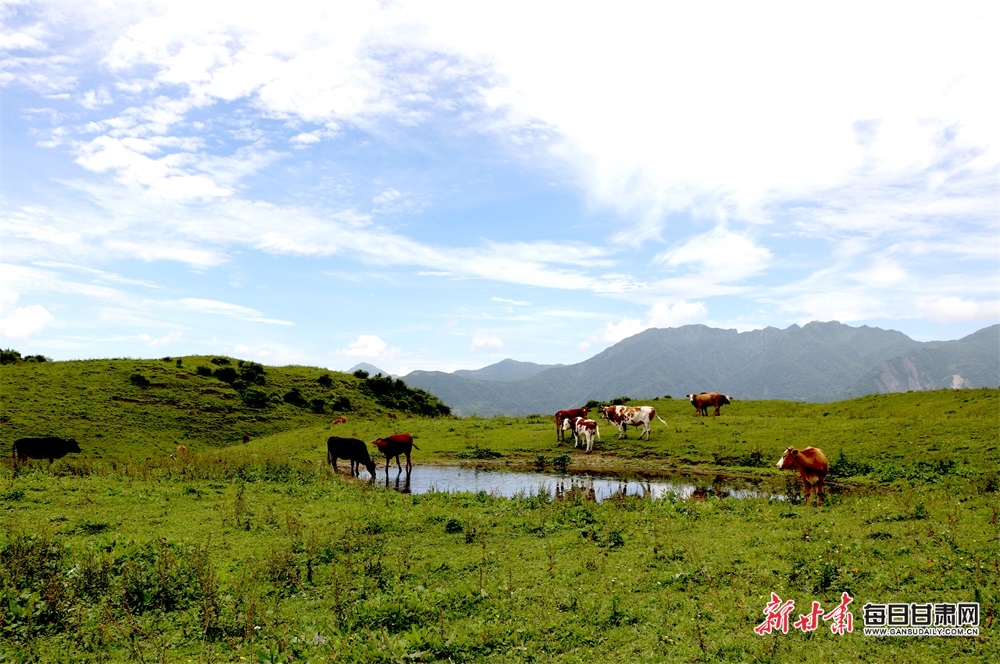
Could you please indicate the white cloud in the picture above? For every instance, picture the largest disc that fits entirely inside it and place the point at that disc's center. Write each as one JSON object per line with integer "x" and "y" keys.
{"x": 218, "y": 308}
{"x": 720, "y": 254}
{"x": 516, "y": 303}
{"x": 25, "y": 322}
{"x": 368, "y": 346}
{"x": 486, "y": 341}
{"x": 959, "y": 309}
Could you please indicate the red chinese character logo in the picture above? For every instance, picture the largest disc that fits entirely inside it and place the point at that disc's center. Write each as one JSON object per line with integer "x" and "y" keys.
{"x": 777, "y": 615}
{"x": 809, "y": 623}
{"x": 843, "y": 620}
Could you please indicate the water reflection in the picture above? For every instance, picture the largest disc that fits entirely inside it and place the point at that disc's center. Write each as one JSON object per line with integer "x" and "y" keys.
{"x": 595, "y": 486}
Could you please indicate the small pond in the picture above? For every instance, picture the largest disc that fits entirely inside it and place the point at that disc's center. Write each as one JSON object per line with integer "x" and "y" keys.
{"x": 511, "y": 483}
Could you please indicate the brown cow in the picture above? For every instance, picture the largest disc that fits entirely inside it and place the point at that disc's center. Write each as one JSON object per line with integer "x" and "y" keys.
{"x": 392, "y": 416}
{"x": 394, "y": 445}
{"x": 340, "y": 420}
{"x": 812, "y": 466}
{"x": 702, "y": 401}
{"x": 182, "y": 451}
{"x": 563, "y": 415}
{"x": 351, "y": 449}
{"x": 246, "y": 438}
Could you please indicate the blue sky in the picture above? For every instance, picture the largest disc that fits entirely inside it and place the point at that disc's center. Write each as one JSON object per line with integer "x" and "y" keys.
{"x": 442, "y": 185}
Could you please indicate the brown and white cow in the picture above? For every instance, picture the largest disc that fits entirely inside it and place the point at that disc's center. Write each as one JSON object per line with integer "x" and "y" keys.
{"x": 812, "y": 466}
{"x": 564, "y": 415}
{"x": 394, "y": 445}
{"x": 339, "y": 420}
{"x": 622, "y": 416}
{"x": 583, "y": 428}
{"x": 702, "y": 401}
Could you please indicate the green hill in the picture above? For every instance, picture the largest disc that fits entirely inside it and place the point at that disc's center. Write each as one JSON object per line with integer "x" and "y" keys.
{"x": 125, "y": 407}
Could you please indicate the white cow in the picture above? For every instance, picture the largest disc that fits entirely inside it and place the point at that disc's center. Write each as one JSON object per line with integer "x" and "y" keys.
{"x": 622, "y": 416}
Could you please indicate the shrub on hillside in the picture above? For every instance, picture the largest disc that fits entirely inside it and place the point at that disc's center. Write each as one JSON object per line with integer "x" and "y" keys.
{"x": 9, "y": 356}
{"x": 226, "y": 374}
{"x": 294, "y": 397}
{"x": 203, "y": 371}
{"x": 254, "y": 398}
{"x": 139, "y": 380}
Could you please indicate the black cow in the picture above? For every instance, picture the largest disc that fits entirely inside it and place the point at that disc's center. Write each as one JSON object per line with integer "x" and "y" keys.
{"x": 349, "y": 448}
{"x": 44, "y": 447}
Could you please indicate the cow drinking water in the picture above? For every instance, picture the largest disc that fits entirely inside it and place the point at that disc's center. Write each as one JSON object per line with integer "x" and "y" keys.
{"x": 351, "y": 449}
{"x": 394, "y": 445}
{"x": 812, "y": 466}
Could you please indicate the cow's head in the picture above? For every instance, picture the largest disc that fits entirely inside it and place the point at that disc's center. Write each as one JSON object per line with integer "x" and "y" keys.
{"x": 72, "y": 445}
{"x": 690, "y": 398}
{"x": 726, "y": 399}
{"x": 788, "y": 459}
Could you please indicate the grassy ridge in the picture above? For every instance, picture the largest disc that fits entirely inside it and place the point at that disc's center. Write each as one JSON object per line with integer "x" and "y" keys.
{"x": 259, "y": 553}
{"x": 126, "y": 407}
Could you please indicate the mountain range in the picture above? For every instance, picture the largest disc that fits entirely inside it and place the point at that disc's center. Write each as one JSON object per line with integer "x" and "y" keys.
{"x": 820, "y": 361}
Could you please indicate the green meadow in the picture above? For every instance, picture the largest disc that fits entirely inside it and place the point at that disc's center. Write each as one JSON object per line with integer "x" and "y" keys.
{"x": 261, "y": 553}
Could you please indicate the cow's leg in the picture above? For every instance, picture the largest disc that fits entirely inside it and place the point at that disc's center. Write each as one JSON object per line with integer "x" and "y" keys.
{"x": 807, "y": 488}
{"x": 409, "y": 465}
{"x": 335, "y": 464}
{"x": 819, "y": 492}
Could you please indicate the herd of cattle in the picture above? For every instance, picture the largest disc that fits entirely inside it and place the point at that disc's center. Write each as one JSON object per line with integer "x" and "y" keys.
{"x": 810, "y": 462}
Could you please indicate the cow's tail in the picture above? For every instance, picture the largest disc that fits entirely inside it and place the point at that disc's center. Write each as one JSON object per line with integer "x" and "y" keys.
{"x": 414, "y": 446}
{"x": 663, "y": 420}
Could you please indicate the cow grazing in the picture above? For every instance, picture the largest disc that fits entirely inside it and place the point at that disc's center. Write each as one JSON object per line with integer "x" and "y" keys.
{"x": 340, "y": 420}
{"x": 583, "y": 428}
{"x": 622, "y": 416}
{"x": 246, "y": 438}
{"x": 564, "y": 415}
{"x": 44, "y": 447}
{"x": 703, "y": 400}
{"x": 351, "y": 449}
{"x": 812, "y": 466}
{"x": 180, "y": 453}
{"x": 392, "y": 416}
{"x": 394, "y": 445}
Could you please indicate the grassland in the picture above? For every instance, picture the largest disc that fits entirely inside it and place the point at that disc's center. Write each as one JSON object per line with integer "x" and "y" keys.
{"x": 260, "y": 553}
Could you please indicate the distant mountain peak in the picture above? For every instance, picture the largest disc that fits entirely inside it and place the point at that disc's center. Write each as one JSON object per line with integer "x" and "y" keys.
{"x": 370, "y": 368}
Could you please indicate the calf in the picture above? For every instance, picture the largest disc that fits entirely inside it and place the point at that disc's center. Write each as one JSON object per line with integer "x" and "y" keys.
{"x": 351, "y": 449}
{"x": 44, "y": 447}
{"x": 812, "y": 466}
{"x": 563, "y": 415}
{"x": 583, "y": 428}
{"x": 394, "y": 445}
